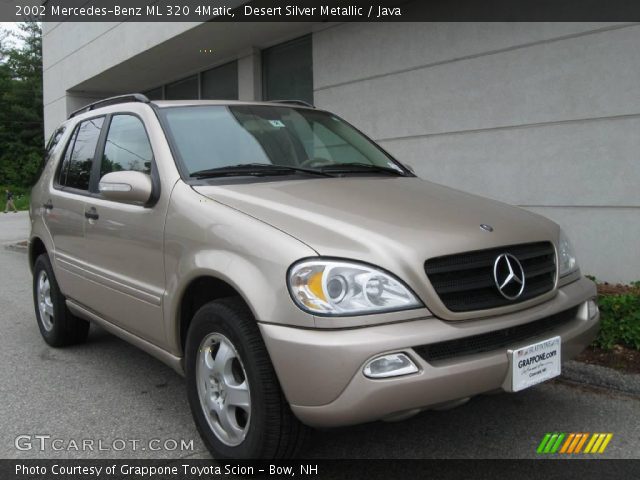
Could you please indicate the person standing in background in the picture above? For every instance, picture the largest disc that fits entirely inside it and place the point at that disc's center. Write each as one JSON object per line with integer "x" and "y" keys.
{"x": 10, "y": 203}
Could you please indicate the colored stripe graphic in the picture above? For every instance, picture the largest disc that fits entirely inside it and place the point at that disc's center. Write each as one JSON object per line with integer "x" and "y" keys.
{"x": 581, "y": 443}
{"x": 605, "y": 443}
{"x": 556, "y": 446}
{"x": 592, "y": 440}
{"x": 577, "y": 439}
{"x": 572, "y": 443}
{"x": 598, "y": 443}
{"x": 550, "y": 443}
{"x": 567, "y": 442}
{"x": 543, "y": 443}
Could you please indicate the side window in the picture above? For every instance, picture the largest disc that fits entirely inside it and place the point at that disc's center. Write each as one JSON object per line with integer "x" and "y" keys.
{"x": 64, "y": 167}
{"x": 127, "y": 146}
{"x": 78, "y": 159}
{"x": 53, "y": 142}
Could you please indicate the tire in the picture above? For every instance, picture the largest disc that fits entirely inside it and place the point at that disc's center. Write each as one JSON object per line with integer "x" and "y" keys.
{"x": 57, "y": 325}
{"x": 224, "y": 343}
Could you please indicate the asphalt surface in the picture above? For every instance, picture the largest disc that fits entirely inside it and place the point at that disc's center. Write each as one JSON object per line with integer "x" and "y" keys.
{"x": 13, "y": 227}
{"x": 107, "y": 390}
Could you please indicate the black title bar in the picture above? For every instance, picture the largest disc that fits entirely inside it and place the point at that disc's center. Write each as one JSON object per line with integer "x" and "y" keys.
{"x": 318, "y": 10}
{"x": 310, "y": 469}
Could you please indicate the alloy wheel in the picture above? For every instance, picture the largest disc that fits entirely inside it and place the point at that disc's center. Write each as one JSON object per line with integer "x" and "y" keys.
{"x": 223, "y": 389}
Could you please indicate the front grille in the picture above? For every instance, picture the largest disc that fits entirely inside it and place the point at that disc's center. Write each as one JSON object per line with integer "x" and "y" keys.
{"x": 465, "y": 281}
{"x": 496, "y": 340}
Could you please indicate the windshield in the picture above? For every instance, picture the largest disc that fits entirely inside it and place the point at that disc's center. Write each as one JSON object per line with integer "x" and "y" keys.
{"x": 222, "y": 136}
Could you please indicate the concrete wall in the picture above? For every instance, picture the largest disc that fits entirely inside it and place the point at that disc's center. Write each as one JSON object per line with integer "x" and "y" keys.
{"x": 74, "y": 52}
{"x": 87, "y": 61}
{"x": 545, "y": 116}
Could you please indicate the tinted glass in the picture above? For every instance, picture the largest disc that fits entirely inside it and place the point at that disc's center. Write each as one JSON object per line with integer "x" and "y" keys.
{"x": 288, "y": 71}
{"x": 67, "y": 156}
{"x": 76, "y": 170}
{"x": 127, "y": 146}
{"x": 53, "y": 141}
{"x": 221, "y": 83}
{"x": 186, "y": 89}
{"x": 217, "y": 136}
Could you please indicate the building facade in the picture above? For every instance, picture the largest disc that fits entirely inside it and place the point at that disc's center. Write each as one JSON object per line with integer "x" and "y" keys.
{"x": 541, "y": 115}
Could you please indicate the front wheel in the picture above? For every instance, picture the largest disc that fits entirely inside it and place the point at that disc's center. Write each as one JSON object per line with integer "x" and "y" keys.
{"x": 233, "y": 391}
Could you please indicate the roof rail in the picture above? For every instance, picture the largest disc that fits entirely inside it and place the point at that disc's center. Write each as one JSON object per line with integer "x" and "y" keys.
{"x": 293, "y": 102}
{"x": 131, "y": 97}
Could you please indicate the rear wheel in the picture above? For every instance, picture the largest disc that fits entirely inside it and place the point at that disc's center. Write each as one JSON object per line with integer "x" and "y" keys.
{"x": 233, "y": 391}
{"x": 56, "y": 323}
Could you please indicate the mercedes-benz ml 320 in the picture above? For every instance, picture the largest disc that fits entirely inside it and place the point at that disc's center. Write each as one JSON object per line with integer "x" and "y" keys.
{"x": 295, "y": 272}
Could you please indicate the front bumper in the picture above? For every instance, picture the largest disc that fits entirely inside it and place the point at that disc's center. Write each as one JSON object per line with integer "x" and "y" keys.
{"x": 321, "y": 371}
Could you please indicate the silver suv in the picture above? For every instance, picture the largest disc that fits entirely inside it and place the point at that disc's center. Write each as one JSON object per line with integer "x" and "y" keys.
{"x": 292, "y": 270}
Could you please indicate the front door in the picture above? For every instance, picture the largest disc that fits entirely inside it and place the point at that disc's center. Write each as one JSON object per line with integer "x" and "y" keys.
{"x": 124, "y": 241}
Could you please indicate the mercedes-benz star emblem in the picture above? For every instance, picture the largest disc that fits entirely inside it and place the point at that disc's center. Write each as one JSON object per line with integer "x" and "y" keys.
{"x": 486, "y": 228}
{"x": 509, "y": 276}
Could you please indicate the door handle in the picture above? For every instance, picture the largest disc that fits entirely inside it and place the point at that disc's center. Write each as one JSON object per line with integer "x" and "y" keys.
{"x": 48, "y": 205}
{"x": 91, "y": 214}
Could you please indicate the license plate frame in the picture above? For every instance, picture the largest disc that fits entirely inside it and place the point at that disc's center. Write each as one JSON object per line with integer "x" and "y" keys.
{"x": 534, "y": 364}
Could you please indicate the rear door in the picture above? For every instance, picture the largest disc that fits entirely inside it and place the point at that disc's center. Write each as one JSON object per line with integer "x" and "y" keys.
{"x": 64, "y": 207}
{"x": 124, "y": 241}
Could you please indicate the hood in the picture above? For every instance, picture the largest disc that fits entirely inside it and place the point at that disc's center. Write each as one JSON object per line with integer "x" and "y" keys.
{"x": 393, "y": 222}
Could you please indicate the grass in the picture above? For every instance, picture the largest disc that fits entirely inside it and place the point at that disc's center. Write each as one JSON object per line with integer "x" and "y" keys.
{"x": 21, "y": 197}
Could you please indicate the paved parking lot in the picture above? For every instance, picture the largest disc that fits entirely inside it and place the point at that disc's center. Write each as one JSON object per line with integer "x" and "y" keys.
{"x": 13, "y": 227}
{"x": 108, "y": 390}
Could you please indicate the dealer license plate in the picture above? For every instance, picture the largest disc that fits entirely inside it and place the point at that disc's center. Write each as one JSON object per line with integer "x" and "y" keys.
{"x": 535, "y": 363}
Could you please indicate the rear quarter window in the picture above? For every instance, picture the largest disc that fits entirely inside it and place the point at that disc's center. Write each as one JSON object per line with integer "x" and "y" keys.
{"x": 79, "y": 155}
{"x": 53, "y": 142}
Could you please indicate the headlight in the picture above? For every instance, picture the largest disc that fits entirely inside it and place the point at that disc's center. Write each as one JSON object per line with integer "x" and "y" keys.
{"x": 566, "y": 256}
{"x": 332, "y": 287}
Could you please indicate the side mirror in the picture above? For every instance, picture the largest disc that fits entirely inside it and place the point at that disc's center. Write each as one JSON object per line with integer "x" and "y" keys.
{"x": 127, "y": 186}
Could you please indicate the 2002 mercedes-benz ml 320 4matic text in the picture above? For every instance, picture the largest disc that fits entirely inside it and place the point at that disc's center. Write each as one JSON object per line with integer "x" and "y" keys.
{"x": 292, "y": 270}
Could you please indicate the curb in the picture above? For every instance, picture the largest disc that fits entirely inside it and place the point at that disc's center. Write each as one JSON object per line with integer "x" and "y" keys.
{"x": 17, "y": 246}
{"x": 603, "y": 377}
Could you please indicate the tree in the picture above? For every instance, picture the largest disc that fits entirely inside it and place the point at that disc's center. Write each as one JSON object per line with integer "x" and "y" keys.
{"x": 21, "y": 110}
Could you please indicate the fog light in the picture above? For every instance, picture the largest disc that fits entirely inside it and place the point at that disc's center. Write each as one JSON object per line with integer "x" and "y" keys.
{"x": 592, "y": 308}
{"x": 391, "y": 365}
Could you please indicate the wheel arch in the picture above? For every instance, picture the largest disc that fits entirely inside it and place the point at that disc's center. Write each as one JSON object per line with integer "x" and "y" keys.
{"x": 36, "y": 248}
{"x": 200, "y": 290}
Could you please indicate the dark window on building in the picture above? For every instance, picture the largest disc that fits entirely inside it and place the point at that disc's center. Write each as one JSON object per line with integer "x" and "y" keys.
{"x": 155, "y": 94}
{"x": 287, "y": 71}
{"x": 221, "y": 83}
{"x": 186, "y": 89}
{"x": 127, "y": 146}
{"x": 76, "y": 169}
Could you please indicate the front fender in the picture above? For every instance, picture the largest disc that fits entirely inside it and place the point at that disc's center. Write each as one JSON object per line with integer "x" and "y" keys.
{"x": 206, "y": 238}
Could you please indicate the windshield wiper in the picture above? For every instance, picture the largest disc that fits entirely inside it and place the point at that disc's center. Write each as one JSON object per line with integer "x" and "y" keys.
{"x": 361, "y": 168}
{"x": 255, "y": 170}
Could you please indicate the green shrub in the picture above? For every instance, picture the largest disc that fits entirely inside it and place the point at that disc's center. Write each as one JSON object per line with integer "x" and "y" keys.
{"x": 619, "y": 321}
